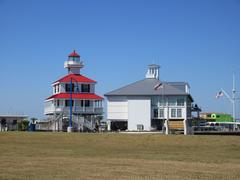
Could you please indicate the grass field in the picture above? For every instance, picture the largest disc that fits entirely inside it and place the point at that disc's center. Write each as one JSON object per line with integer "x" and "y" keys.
{"x": 26, "y": 155}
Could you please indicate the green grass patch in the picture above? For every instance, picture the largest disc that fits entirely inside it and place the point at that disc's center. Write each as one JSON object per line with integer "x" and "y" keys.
{"x": 25, "y": 155}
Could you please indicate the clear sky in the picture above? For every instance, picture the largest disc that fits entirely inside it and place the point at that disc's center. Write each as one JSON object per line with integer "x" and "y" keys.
{"x": 197, "y": 41}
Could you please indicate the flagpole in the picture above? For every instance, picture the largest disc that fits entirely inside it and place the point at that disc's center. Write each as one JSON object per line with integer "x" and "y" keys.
{"x": 234, "y": 98}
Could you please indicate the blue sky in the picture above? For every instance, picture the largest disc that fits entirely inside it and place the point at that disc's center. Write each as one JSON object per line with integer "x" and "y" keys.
{"x": 197, "y": 41}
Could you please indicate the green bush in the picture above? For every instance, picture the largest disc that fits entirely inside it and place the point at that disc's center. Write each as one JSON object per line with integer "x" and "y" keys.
{"x": 23, "y": 126}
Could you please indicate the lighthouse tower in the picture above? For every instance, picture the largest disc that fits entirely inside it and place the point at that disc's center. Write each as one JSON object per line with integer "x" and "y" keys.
{"x": 73, "y": 64}
{"x": 73, "y": 106}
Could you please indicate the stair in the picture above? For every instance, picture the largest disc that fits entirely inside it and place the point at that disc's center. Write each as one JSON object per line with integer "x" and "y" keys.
{"x": 88, "y": 125}
{"x": 85, "y": 124}
{"x": 176, "y": 124}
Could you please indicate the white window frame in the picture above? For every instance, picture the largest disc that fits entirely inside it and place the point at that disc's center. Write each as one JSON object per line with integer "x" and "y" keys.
{"x": 179, "y": 115}
{"x": 161, "y": 113}
{"x": 175, "y": 113}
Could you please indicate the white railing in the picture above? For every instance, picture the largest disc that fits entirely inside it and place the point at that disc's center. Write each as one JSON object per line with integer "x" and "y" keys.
{"x": 76, "y": 109}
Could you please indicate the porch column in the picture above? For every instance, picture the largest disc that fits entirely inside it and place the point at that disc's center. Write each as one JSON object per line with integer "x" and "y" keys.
{"x": 108, "y": 125}
{"x": 166, "y": 127}
{"x": 185, "y": 124}
{"x": 84, "y": 106}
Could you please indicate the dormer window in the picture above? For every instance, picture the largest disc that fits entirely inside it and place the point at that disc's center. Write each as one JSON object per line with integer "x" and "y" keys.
{"x": 56, "y": 88}
{"x": 85, "y": 88}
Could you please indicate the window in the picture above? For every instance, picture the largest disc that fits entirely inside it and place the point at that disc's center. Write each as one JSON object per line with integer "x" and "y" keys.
{"x": 98, "y": 104}
{"x": 3, "y": 122}
{"x": 189, "y": 113}
{"x": 179, "y": 112}
{"x": 67, "y": 103}
{"x": 77, "y": 103}
{"x": 85, "y": 88}
{"x": 57, "y": 103}
{"x": 14, "y": 122}
{"x": 154, "y": 101}
{"x": 162, "y": 102}
{"x": 54, "y": 88}
{"x": 172, "y": 102}
{"x": 173, "y": 112}
{"x": 85, "y": 103}
{"x": 161, "y": 113}
{"x": 189, "y": 103}
{"x": 68, "y": 88}
{"x": 180, "y": 102}
{"x": 140, "y": 127}
{"x": 155, "y": 113}
{"x": 58, "y": 88}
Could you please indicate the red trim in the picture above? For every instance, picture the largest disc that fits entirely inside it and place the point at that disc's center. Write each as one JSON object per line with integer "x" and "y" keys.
{"x": 74, "y": 54}
{"x": 76, "y": 96}
{"x": 75, "y": 78}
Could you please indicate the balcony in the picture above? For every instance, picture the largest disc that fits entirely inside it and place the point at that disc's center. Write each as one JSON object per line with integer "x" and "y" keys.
{"x": 71, "y": 63}
{"x": 51, "y": 109}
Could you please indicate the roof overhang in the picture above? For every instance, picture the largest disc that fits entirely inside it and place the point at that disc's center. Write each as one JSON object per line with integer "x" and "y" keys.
{"x": 14, "y": 116}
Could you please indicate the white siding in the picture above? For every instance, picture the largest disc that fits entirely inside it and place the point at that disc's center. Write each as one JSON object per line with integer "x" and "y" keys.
{"x": 92, "y": 88}
{"x": 139, "y": 109}
{"x": 117, "y": 108}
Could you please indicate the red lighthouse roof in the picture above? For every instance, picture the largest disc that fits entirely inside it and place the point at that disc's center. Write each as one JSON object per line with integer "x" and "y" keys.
{"x": 75, "y": 78}
{"x": 87, "y": 96}
{"x": 74, "y": 54}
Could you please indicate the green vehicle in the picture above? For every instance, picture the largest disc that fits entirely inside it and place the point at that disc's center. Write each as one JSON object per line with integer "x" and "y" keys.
{"x": 217, "y": 117}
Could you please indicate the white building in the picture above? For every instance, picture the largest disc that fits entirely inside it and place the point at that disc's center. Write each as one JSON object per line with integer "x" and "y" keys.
{"x": 150, "y": 105}
{"x": 10, "y": 122}
{"x": 74, "y": 104}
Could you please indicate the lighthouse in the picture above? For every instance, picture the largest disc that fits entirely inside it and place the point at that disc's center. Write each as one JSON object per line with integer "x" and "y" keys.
{"x": 73, "y": 64}
{"x": 73, "y": 105}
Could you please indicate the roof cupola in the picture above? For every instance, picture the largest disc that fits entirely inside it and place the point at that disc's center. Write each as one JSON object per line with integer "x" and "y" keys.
{"x": 153, "y": 71}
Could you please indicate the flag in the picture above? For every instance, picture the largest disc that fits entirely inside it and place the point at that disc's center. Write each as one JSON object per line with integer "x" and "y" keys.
{"x": 219, "y": 94}
{"x": 158, "y": 86}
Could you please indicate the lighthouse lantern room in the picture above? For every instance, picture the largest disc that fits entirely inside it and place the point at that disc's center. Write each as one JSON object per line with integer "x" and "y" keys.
{"x": 73, "y": 64}
{"x": 74, "y": 106}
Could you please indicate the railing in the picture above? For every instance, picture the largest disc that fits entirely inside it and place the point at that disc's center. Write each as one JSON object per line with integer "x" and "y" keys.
{"x": 76, "y": 109}
{"x": 88, "y": 125}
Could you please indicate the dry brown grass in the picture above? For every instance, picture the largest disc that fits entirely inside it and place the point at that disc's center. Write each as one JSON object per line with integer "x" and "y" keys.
{"x": 118, "y": 156}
